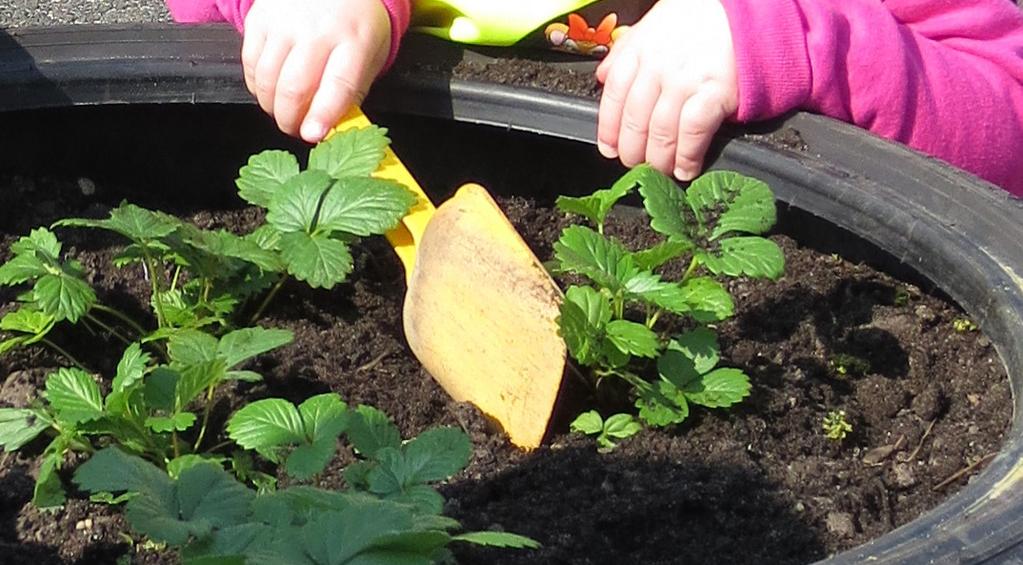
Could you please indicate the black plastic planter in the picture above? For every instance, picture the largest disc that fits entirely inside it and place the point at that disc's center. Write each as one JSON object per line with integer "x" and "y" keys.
{"x": 960, "y": 233}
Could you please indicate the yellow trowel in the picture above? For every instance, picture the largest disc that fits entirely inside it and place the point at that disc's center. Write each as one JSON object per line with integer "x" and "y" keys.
{"x": 480, "y": 312}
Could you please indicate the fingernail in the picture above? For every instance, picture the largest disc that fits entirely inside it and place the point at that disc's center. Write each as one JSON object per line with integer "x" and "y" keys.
{"x": 313, "y": 131}
{"x": 606, "y": 150}
{"x": 681, "y": 174}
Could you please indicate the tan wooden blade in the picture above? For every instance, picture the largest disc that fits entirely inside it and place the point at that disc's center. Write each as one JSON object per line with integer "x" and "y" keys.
{"x": 481, "y": 315}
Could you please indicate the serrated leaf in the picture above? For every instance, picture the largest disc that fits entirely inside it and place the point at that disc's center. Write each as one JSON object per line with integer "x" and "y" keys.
{"x": 589, "y": 423}
{"x": 112, "y": 470}
{"x": 244, "y": 376}
{"x": 662, "y": 404}
{"x": 319, "y": 261}
{"x": 222, "y": 243}
{"x": 18, "y": 426}
{"x": 48, "y": 490}
{"x": 596, "y": 206}
{"x": 719, "y": 388}
{"x": 21, "y": 268}
{"x": 191, "y": 347}
{"x": 310, "y": 459}
{"x": 700, "y": 345}
{"x": 264, "y": 175}
{"x": 649, "y": 259}
{"x": 747, "y": 203}
{"x": 583, "y": 251}
{"x": 581, "y": 337}
{"x": 621, "y": 426}
{"x": 266, "y": 423}
{"x": 177, "y": 465}
{"x": 749, "y": 256}
{"x": 707, "y": 299}
{"x": 133, "y": 222}
{"x": 63, "y": 297}
{"x": 178, "y": 422}
{"x": 353, "y": 152}
{"x": 160, "y": 388}
{"x": 364, "y": 206}
{"x": 131, "y": 368}
{"x": 74, "y": 395}
{"x": 497, "y": 539}
{"x": 294, "y": 206}
{"x": 27, "y": 320}
{"x": 665, "y": 203}
{"x": 370, "y": 430}
{"x": 40, "y": 242}
{"x": 677, "y": 368}
{"x": 243, "y": 344}
{"x": 324, "y": 416}
{"x": 196, "y": 378}
{"x": 632, "y": 338}
{"x": 595, "y": 305}
{"x": 437, "y": 453}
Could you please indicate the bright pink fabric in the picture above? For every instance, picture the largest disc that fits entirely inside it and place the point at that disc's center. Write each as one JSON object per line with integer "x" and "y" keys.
{"x": 942, "y": 76}
{"x": 234, "y": 11}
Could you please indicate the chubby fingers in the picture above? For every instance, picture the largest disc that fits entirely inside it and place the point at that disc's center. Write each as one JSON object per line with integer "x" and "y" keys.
{"x": 298, "y": 81}
{"x": 267, "y": 70}
{"x": 618, "y": 83}
{"x": 701, "y": 116}
{"x": 344, "y": 82}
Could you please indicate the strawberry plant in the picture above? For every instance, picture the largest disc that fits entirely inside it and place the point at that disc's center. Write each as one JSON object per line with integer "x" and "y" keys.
{"x": 611, "y": 324}
{"x": 207, "y": 289}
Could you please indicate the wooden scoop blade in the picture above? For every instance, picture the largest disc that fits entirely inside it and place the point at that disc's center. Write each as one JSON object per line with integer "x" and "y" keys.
{"x": 481, "y": 315}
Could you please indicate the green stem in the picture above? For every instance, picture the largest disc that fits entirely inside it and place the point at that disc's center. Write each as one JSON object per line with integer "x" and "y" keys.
{"x": 174, "y": 441}
{"x": 161, "y": 318}
{"x": 64, "y": 352}
{"x": 174, "y": 280}
{"x": 113, "y": 331}
{"x": 266, "y": 300}
{"x": 122, "y": 317}
{"x": 632, "y": 379}
{"x": 652, "y": 318}
{"x": 224, "y": 443}
{"x": 205, "y": 419}
{"x": 693, "y": 264}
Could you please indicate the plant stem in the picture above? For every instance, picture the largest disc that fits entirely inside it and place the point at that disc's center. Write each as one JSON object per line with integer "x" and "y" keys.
{"x": 122, "y": 317}
{"x": 64, "y": 352}
{"x": 205, "y": 419}
{"x": 266, "y": 300}
{"x": 652, "y": 318}
{"x": 174, "y": 441}
{"x": 161, "y": 319}
{"x": 693, "y": 264}
{"x": 108, "y": 328}
{"x": 219, "y": 445}
{"x": 174, "y": 280}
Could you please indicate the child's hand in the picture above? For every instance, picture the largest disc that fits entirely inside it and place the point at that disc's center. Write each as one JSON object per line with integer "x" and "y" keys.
{"x": 669, "y": 83}
{"x": 307, "y": 62}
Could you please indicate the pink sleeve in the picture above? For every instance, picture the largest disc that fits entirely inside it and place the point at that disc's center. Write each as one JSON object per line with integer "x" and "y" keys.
{"x": 234, "y": 11}
{"x": 942, "y": 76}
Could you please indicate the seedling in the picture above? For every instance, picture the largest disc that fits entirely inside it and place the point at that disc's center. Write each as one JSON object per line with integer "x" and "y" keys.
{"x": 963, "y": 325}
{"x": 835, "y": 425}
{"x": 203, "y": 285}
{"x": 616, "y": 427}
{"x": 846, "y": 365}
{"x": 714, "y": 223}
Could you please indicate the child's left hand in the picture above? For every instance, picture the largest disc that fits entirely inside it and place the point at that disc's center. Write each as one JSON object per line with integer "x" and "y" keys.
{"x": 669, "y": 83}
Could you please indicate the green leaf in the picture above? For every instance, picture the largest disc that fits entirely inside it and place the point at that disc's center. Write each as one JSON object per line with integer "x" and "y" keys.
{"x": 750, "y": 256}
{"x": 437, "y": 454}
{"x": 160, "y": 388}
{"x": 632, "y": 338}
{"x": 63, "y": 297}
{"x": 27, "y": 320}
{"x": 707, "y": 299}
{"x": 660, "y": 254}
{"x": 666, "y": 204}
{"x": 583, "y": 251}
{"x": 370, "y": 430}
{"x": 582, "y": 308}
{"x": 364, "y": 206}
{"x": 497, "y": 539}
{"x": 596, "y": 206}
{"x": 266, "y": 423}
{"x": 131, "y": 368}
{"x": 319, "y": 261}
{"x": 719, "y": 388}
{"x": 19, "y": 426}
{"x": 246, "y": 343}
{"x": 22, "y": 268}
{"x": 112, "y": 470}
{"x": 324, "y": 416}
{"x": 662, "y": 404}
{"x": 178, "y": 422}
{"x": 177, "y": 465}
{"x": 194, "y": 379}
{"x": 49, "y": 490}
{"x": 354, "y": 152}
{"x": 595, "y": 305}
{"x": 40, "y": 242}
{"x": 264, "y": 175}
{"x": 245, "y": 376}
{"x": 190, "y": 347}
{"x": 294, "y": 206}
{"x": 74, "y": 395}
{"x": 621, "y": 426}
{"x": 700, "y": 345}
{"x": 310, "y": 459}
{"x": 747, "y": 203}
{"x": 222, "y": 243}
{"x": 589, "y": 423}
{"x": 131, "y": 221}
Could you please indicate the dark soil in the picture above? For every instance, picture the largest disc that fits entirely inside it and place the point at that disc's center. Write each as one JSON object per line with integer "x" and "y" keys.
{"x": 759, "y": 483}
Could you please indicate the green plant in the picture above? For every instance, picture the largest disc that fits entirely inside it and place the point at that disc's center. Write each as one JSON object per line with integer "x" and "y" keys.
{"x": 157, "y": 404}
{"x": 847, "y": 364}
{"x": 212, "y": 518}
{"x": 616, "y": 427}
{"x": 709, "y": 223}
{"x": 963, "y": 325}
{"x": 835, "y": 425}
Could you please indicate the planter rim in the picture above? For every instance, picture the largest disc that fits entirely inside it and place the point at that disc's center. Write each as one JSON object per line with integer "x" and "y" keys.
{"x": 943, "y": 223}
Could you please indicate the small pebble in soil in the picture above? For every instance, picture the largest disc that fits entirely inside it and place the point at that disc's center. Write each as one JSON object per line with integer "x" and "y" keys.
{"x": 85, "y": 524}
{"x": 902, "y": 476}
{"x": 840, "y": 524}
{"x": 87, "y": 186}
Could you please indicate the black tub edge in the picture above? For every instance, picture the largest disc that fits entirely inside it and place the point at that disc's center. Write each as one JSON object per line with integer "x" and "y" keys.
{"x": 954, "y": 229}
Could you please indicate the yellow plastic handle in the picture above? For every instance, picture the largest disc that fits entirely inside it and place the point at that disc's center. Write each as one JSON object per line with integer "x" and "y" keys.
{"x": 406, "y": 236}
{"x": 487, "y": 22}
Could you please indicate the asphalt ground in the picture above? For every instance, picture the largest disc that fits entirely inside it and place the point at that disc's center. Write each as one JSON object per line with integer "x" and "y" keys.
{"x": 29, "y": 13}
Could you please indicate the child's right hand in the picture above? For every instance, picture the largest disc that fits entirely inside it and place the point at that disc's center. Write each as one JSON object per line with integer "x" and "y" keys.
{"x": 669, "y": 83}
{"x": 308, "y": 62}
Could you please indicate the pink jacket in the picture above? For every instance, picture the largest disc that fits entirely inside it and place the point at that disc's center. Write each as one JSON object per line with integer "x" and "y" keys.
{"x": 942, "y": 76}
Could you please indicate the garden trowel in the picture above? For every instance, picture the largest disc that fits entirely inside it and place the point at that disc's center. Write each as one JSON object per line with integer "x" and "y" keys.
{"x": 480, "y": 311}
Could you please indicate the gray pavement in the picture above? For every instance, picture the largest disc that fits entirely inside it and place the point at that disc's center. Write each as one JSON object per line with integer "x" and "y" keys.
{"x": 27, "y": 13}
